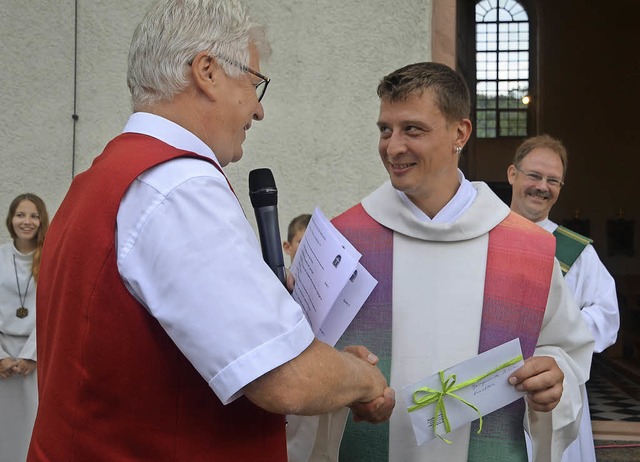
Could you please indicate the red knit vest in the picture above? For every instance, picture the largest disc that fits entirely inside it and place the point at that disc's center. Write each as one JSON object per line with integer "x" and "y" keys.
{"x": 112, "y": 385}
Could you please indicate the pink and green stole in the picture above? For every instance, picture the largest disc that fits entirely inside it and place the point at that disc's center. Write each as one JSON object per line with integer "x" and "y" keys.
{"x": 518, "y": 276}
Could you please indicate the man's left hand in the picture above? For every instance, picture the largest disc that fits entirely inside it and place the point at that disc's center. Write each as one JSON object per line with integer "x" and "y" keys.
{"x": 377, "y": 411}
{"x": 542, "y": 379}
{"x": 291, "y": 281}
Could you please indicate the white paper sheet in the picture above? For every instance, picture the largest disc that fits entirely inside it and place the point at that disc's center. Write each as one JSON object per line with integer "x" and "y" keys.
{"x": 331, "y": 285}
{"x": 349, "y": 301}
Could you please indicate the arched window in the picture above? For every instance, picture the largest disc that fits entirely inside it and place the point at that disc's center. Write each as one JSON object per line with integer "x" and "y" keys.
{"x": 502, "y": 69}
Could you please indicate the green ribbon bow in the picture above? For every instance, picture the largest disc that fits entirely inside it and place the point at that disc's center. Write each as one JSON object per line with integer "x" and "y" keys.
{"x": 425, "y": 396}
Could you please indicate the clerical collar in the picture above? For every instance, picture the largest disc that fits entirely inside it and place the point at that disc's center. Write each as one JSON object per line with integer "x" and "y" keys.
{"x": 459, "y": 203}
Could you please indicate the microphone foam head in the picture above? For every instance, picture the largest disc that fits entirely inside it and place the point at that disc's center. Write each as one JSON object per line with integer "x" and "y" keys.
{"x": 262, "y": 188}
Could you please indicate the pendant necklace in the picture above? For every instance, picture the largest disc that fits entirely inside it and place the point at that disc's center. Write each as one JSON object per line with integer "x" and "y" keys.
{"x": 21, "y": 312}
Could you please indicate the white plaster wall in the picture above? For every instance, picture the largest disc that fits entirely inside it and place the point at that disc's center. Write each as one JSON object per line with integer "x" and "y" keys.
{"x": 319, "y": 135}
{"x": 36, "y": 100}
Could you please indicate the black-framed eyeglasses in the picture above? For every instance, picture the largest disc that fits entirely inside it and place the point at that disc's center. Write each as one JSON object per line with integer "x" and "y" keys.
{"x": 536, "y": 177}
{"x": 261, "y": 87}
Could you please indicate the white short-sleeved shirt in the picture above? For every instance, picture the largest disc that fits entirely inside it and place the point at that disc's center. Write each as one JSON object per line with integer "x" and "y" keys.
{"x": 187, "y": 252}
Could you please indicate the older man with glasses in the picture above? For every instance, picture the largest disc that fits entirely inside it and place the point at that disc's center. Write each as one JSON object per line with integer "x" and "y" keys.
{"x": 162, "y": 333}
{"x": 536, "y": 177}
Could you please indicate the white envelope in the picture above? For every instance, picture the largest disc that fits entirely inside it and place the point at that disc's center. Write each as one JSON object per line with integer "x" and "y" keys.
{"x": 487, "y": 394}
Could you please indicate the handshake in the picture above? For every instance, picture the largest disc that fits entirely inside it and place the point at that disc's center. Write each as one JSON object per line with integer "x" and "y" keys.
{"x": 323, "y": 379}
{"x": 379, "y": 408}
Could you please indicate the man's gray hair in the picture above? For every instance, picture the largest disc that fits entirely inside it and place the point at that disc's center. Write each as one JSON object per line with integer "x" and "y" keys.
{"x": 173, "y": 32}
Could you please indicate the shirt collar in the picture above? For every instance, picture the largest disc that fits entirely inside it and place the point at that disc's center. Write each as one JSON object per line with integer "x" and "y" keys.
{"x": 462, "y": 199}
{"x": 168, "y": 132}
{"x": 547, "y": 224}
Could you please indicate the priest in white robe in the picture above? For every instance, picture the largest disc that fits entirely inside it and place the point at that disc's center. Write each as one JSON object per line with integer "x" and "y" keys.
{"x": 445, "y": 251}
{"x": 536, "y": 176}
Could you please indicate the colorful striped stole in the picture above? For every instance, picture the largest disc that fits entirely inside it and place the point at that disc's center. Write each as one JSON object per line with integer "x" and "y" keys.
{"x": 371, "y": 326}
{"x": 518, "y": 276}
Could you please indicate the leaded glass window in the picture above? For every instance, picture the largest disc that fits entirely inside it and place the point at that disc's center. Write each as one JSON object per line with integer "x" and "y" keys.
{"x": 502, "y": 69}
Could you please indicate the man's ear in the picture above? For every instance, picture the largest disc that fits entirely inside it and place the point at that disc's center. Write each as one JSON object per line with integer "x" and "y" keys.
{"x": 463, "y": 132}
{"x": 511, "y": 174}
{"x": 286, "y": 246}
{"x": 206, "y": 74}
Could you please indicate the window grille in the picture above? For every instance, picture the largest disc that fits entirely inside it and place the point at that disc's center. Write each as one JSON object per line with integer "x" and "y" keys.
{"x": 502, "y": 69}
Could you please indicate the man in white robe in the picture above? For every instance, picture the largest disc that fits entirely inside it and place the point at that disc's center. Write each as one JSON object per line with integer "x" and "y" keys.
{"x": 536, "y": 176}
{"x": 440, "y": 225}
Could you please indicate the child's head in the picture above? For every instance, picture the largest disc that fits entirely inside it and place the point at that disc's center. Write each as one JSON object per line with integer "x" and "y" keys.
{"x": 296, "y": 230}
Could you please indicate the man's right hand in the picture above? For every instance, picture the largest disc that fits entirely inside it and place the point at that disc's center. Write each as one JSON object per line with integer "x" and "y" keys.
{"x": 380, "y": 409}
{"x": 322, "y": 379}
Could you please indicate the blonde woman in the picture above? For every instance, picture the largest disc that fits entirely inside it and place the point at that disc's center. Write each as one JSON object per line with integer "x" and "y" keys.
{"x": 27, "y": 222}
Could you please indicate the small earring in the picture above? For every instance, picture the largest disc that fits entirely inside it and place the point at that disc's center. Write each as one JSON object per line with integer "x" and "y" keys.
{"x": 458, "y": 150}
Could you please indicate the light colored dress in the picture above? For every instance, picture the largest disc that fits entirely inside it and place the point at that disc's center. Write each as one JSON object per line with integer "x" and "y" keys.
{"x": 18, "y": 394}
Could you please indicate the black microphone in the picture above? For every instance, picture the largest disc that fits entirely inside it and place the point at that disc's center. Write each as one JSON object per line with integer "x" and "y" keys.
{"x": 264, "y": 198}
